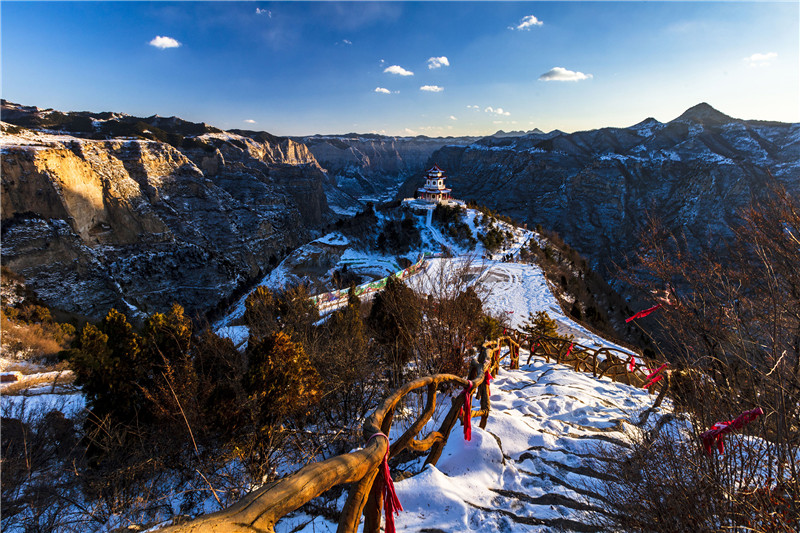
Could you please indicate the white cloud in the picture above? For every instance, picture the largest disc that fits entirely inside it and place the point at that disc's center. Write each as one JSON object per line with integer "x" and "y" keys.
{"x": 250, "y": 121}
{"x": 347, "y": 41}
{"x": 266, "y": 12}
{"x": 562, "y": 74}
{"x": 475, "y": 107}
{"x": 431, "y": 88}
{"x": 164, "y": 42}
{"x": 410, "y": 132}
{"x": 382, "y": 90}
{"x": 497, "y": 111}
{"x": 438, "y": 62}
{"x": 453, "y": 118}
{"x": 761, "y": 60}
{"x": 397, "y": 69}
{"x": 526, "y": 23}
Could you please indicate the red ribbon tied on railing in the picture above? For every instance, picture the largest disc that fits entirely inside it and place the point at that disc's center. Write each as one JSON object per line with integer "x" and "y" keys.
{"x": 391, "y": 504}
{"x": 466, "y": 412}
{"x": 654, "y": 376}
{"x": 488, "y": 378}
{"x": 643, "y": 313}
{"x": 714, "y": 435}
{"x": 632, "y": 365}
{"x": 569, "y": 350}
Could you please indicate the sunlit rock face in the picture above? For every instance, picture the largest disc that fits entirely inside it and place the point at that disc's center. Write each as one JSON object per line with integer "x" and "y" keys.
{"x": 138, "y": 224}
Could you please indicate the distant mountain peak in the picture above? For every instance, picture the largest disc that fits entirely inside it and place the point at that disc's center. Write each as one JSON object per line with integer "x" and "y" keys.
{"x": 704, "y": 114}
{"x": 649, "y": 121}
{"x": 517, "y": 133}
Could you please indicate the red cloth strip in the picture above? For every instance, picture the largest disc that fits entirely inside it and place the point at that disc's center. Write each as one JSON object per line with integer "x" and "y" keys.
{"x": 714, "y": 435}
{"x": 632, "y": 365}
{"x": 391, "y": 504}
{"x": 652, "y": 382}
{"x": 654, "y": 376}
{"x": 466, "y": 412}
{"x": 657, "y": 370}
{"x": 488, "y": 378}
{"x": 642, "y": 314}
{"x": 569, "y": 350}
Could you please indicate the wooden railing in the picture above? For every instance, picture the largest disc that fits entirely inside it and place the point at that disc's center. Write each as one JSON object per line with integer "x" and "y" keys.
{"x": 262, "y": 508}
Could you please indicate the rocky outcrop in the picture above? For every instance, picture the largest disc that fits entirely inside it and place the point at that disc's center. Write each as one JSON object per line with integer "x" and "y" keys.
{"x": 137, "y": 224}
{"x": 597, "y": 188}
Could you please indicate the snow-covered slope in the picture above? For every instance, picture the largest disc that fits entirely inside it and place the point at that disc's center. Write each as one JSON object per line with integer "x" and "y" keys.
{"x": 535, "y": 467}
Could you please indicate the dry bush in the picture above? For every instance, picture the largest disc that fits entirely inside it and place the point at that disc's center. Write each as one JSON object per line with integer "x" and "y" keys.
{"x": 668, "y": 484}
{"x": 38, "y": 342}
{"x": 352, "y": 375}
{"x": 733, "y": 332}
{"x": 37, "y": 447}
{"x": 452, "y": 319}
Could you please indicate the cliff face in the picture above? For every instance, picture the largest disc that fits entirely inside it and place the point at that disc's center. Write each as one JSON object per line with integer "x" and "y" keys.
{"x": 138, "y": 224}
{"x": 371, "y": 167}
{"x": 597, "y": 188}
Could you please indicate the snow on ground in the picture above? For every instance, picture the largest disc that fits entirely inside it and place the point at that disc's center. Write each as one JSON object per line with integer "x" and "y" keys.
{"x": 40, "y": 401}
{"x": 510, "y": 290}
{"x": 238, "y": 334}
{"x": 534, "y": 468}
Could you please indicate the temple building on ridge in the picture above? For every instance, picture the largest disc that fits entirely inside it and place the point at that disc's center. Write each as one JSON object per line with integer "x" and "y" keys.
{"x": 434, "y": 189}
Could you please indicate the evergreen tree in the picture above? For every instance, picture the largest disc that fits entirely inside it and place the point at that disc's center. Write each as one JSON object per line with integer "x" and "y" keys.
{"x": 107, "y": 362}
{"x": 280, "y": 380}
{"x": 540, "y": 324}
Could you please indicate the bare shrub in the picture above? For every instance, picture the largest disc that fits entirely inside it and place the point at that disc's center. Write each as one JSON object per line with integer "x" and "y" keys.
{"x": 734, "y": 335}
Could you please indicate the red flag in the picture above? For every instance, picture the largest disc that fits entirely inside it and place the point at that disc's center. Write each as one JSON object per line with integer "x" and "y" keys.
{"x": 715, "y": 434}
{"x": 642, "y": 314}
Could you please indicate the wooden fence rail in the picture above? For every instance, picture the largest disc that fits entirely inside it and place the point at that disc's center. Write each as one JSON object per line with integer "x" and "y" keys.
{"x": 262, "y": 508}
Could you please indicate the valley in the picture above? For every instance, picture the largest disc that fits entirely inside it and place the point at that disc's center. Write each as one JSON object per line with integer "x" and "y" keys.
{"x": 265, "y": 240}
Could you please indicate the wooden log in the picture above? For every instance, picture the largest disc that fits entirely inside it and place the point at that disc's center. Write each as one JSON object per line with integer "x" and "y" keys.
{"x": 447, "y": 425}
{"x": 407, "y": 437}
{"x": 426, "y": 443}
{"x": 259, "y": 510}
{"x": 357, "y": 500}
{"x": 372, "y": 510}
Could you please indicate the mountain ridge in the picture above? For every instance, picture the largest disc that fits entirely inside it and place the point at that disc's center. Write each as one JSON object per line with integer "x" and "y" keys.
{"x": 597, "y": 188}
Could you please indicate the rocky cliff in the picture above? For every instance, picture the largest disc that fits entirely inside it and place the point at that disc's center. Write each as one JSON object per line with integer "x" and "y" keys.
{"x": 136, "y": 224}
{"x": 597, "y": 188}
{"x": 370, "y": 167}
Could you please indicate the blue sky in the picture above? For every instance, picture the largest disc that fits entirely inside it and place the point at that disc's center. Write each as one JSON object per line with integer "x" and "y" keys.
{"x": 335, "y": 67}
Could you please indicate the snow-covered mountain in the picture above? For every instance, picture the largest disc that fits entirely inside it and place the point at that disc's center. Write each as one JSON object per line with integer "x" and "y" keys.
{"x": 597, "y": 188}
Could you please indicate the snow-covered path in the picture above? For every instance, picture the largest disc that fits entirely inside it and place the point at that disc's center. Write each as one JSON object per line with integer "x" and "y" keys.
{"x": 535, "y": 468}
{"x": 510, "y": 290}
{"x": 532, "y": 468}
{"x": 435, "y": 233}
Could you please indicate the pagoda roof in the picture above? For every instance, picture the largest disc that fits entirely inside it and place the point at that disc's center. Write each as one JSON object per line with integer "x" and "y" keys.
{"x": 435, "y": 169}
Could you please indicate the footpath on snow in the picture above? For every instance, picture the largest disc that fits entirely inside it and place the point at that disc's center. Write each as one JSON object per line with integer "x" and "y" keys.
{"x": 534, "y": 468}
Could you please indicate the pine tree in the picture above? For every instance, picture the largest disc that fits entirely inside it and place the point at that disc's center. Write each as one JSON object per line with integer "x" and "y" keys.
{"x": 540, "y": 324}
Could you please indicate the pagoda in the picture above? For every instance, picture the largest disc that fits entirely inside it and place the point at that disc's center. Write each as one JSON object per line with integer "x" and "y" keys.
{"x": 434, "y": 189}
